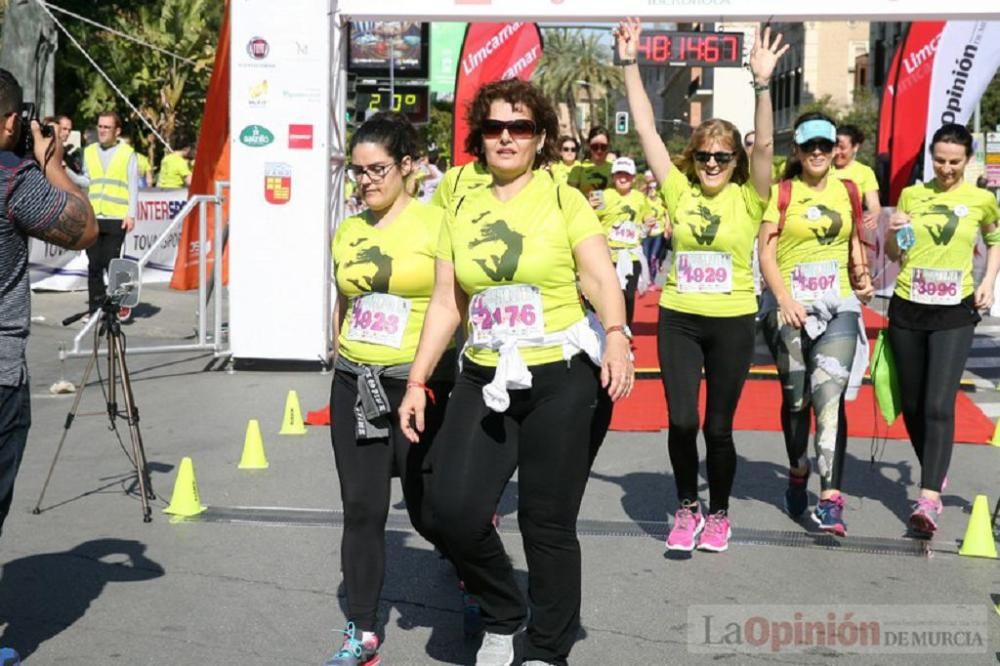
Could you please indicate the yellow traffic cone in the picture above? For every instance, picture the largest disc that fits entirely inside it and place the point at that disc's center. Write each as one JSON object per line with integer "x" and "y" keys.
{"x": 995, "y": 439}
{"x": 978, "y": 541}
{"x": 292, "y": 423}
{"x": 184, "y": 501}
{"x": 253, "y": 448}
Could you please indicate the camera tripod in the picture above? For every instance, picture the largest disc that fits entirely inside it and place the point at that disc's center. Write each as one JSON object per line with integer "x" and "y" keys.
{"x": 110, "y": 328}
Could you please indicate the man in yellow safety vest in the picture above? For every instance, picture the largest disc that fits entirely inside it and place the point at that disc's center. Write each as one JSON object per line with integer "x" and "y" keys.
{"x": 112, "y": 172}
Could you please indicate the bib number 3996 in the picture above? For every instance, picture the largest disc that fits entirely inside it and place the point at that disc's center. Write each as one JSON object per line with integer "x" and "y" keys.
{"x": 379, "y": 319}
{"x": 707, "y": 272}
{"x": 936, "y": 287}
{"x": 812, "y": 281}
{"x": 506, "y": 312}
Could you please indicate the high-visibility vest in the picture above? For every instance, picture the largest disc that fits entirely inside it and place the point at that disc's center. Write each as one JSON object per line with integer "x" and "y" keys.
{"x": 108, "y": 191}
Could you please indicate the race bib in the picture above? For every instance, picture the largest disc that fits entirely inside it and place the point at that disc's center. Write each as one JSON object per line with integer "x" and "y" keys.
{"x": 814, "y": 280}
{"x": 932, "y": 286}
{"x": 625, "y": 233}
{"x": 502, "y": 313}
{"x": 379, "y": 319}
{"x": 707, "y": 272}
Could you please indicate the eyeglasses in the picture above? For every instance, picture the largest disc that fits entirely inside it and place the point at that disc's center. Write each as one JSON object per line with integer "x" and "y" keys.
{"x": 720, "y": 158}
{"x": 376, "y": 172}
{"x": 517, "y": 129}
{"x": 598, "y": 147}
{"x": 569, "y": 149}
{"x": 812, "y": 145}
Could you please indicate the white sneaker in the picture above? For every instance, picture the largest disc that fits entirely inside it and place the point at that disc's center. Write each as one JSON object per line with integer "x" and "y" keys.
{"x": 496, "y": 650}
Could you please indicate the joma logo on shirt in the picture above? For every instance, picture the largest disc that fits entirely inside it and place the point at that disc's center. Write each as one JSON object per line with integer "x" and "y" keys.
{"x": 942, "y": 233}
{"x": 505, "y": 264}
{"x": 378, "y": 281}
{"x": 706, "y": 234}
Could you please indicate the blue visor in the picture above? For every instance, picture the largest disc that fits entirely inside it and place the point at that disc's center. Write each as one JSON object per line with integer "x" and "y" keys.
{"x": 815, "y": 129}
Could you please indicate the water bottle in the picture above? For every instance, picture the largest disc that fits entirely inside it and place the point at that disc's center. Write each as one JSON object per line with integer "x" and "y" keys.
{"x": 905, "y": 238}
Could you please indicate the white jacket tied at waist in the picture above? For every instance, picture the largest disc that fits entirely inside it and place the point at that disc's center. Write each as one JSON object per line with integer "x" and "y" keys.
{"x": 586, "y": 336}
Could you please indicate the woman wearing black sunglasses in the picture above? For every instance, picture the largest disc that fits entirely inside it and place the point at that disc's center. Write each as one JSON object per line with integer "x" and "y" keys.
{"x": 594, "y": 174}
{"x": 814, "y": 263}
{"x": 563, "y": 167}
{"x": 383, "y": 264}
{"x": 533, "y": 369}
{"x": 715, "y": 197}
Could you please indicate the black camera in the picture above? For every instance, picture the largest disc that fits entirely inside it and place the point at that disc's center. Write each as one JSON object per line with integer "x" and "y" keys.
{"x": 25, "y": 146}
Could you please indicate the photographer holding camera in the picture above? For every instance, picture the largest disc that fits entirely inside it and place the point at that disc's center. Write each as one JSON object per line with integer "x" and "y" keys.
{"x": 37, "y": 199}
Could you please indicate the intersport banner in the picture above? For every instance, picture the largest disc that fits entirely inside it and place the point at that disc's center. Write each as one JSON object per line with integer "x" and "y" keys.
{"x": 907, "y": 93}
{"x": 491, "y": 52}
{"x": 967, "y": 58}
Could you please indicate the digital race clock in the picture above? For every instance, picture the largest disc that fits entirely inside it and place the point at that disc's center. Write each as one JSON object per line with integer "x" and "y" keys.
{"x": 706, "y": 49}
{"x": 412, "y": 101}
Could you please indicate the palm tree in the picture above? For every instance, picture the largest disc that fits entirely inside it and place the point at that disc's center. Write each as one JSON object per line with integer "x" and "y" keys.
{"x": 569, "y": 58}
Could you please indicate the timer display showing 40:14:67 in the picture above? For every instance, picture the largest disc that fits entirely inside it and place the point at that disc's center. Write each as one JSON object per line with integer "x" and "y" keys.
{"x": 718, "y": 49}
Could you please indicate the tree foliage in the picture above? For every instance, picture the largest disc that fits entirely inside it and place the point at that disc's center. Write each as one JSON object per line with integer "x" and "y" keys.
{"x": 169, "y": 93}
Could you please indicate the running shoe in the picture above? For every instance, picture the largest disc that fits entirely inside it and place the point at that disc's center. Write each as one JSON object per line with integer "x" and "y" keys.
{"x": 496, "y": 650}
{"x": 9, "y": 657}
{"x": 356, "y": 651}
{"x": 829, "y": 515}
{"x": 923, "y": 520}
{"x": 715, "y": 537}
{"x": 688, "y": 524}
{"x": 796, "y": 495}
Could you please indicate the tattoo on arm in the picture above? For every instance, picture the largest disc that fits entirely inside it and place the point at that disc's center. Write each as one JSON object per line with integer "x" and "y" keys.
{"x": 70, "y": 225}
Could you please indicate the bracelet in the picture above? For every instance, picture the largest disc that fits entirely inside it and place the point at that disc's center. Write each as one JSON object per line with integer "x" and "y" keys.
{"x": 760, "y": 88}
{"x": 625, "y": 62}
{"x": 423, "y": 387}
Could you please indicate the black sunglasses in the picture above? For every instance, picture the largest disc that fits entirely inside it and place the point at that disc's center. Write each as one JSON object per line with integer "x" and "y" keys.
{"x": 517, "y": 129}
{"x": 569, "y": 149}
{"x": 721, "y": 158}
{"x": 598, "y": 146}
{"x": 810, "y": 146}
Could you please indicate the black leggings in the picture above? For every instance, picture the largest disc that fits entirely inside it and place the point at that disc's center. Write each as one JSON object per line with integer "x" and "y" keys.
{"x": 929, "y": 365}
{"x": 631, "y": 285}
{"x": 546, "y": 436}
{"x": 724, "y": 347}
{"x": 108, "y": 246}
{"x": 365, "y": 470}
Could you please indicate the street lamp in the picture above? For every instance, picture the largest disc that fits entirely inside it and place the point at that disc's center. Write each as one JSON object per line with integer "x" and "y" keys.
{"x": 586, "y": 84}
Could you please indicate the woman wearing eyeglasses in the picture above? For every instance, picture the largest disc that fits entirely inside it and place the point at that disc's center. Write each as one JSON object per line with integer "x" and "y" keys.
{"x": 715, "y": 198}
{"x": 532, "y": 371}
{"x": 383, "y": 264}
{"x": 561, "y": 168}
{"x": 814, "y": 264}
{"x": 934, "y": 308}
{"x": 594, "y": 174}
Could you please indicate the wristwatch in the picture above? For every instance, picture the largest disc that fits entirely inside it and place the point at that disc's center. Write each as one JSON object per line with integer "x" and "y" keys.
{"x": 624, "y": 330}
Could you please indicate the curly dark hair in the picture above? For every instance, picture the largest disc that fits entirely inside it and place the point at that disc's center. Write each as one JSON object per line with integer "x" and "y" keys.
{"x": 515, "y": 92}
{"x": 726, "y": 134}
{"x": 953, "y": 133}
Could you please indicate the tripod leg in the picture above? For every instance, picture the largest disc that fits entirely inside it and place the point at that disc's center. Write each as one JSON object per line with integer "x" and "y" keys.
{"x": 132, "y": 415}
{"x": 66, "y": 426}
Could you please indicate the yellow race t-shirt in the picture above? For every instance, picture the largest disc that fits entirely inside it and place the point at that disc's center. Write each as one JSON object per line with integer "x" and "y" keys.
{"x": 560, "y": 171}
{"x": 588, "y": 176}
{"x": 459, "y": 181}
{"x": 526, "y": 246}
{"x": 815, "y": 243}
{"x": 937, "y": 270}
{"x": 860, "y": 174}
{"x": 623, "y": 219}
{"x": 713, "y": 239}
{"x": 174, "y": 168}
{"x": 387, "y": 275}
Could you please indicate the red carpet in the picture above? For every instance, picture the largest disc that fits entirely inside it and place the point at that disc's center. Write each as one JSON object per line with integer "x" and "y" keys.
{"x": 646, "y": 409}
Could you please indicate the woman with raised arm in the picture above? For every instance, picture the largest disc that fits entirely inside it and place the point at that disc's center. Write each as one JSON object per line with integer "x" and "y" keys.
{"x": 383, "y": 262}
{"x": 934, "y": 308}
{"x": 715, "y": 198}
{"x": 814, "y": 263}
{"x": 532, "y": 369}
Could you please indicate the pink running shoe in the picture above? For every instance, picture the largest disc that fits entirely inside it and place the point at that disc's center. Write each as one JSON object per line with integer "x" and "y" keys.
{"x": 688, "y": 524}
{"x": 715, "y": 537}
{"x": 923, "y": 520}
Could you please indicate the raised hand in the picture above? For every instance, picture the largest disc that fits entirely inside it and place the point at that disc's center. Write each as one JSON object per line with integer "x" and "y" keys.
{"x": 765, "y": 54}
{"x": 627, "y": 37}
